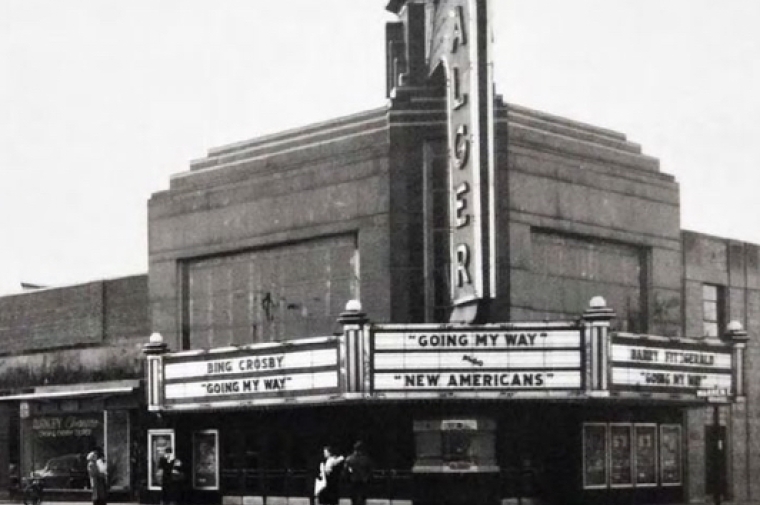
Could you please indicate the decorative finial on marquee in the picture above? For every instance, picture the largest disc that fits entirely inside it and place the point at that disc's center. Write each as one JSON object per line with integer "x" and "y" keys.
{"x": 353, "y": 306}
{"x": 354, "y": 313}
{"x": 597, "y": 302}
{"x": 155, "y": 345}
{"x": 598, "y": 310}
{"x": 736, "y": 332}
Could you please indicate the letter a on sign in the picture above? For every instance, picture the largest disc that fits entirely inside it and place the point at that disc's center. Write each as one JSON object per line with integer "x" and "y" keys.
{"x": 458, "y": 33}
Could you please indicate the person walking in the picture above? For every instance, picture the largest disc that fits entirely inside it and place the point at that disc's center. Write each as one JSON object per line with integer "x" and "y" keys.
{"x": 97, "y": 480}
{"x": 329, "y": 473}
{"x": 358, "y": 473}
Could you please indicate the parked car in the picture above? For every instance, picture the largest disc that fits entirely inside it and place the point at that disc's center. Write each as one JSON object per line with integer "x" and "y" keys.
{"x": 65, "y": 472}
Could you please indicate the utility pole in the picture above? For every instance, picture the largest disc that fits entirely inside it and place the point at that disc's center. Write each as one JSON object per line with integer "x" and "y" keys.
{"x": 717, "y": 456}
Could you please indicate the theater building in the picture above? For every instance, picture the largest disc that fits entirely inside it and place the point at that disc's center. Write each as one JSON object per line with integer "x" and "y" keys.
{"x": 533, "y": 327}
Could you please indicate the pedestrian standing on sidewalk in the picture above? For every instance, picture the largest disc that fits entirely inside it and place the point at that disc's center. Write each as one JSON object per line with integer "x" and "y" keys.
{"x": 97, "y": 480}
{"x": 330, "y": 472}
{"x": 172, "y": 478}
{"x": 102, "y": 466}
{"x": 358, "y": 473}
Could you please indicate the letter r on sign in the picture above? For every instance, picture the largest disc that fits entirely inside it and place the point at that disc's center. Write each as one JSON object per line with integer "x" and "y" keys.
{"x": 462, "y": 265}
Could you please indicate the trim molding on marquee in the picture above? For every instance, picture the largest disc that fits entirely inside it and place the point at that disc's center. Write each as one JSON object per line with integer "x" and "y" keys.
{"x": 578, "y": 361}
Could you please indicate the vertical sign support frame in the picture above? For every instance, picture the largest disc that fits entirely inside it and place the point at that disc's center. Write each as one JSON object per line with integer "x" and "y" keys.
{"x": 460, "y": 42}
{"x": 596, "y": 344}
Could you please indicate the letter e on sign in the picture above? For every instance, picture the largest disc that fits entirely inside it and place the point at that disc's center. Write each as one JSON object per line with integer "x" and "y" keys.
{"x": 462, "y": 218}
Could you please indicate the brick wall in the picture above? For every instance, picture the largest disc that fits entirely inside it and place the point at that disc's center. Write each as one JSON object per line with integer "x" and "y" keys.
{"x": 78, "y": 333}
{"x": 84, "y": 314}
{"x": 734, "y": 266}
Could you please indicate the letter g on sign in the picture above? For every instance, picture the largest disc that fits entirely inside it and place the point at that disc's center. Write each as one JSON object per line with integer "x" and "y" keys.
{"x": 461, "y": 147}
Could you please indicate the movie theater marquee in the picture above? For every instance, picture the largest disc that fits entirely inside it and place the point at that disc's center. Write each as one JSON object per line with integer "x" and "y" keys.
{"x": 472, "y": 361}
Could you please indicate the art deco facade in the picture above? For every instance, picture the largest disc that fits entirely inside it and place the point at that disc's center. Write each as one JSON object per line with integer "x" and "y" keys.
{"x": 548, "y": 394}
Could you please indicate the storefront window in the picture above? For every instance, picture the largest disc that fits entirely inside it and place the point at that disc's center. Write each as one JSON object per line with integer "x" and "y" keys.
{"x": 55, "y": 448}
{"x": 670, "y": 454}
{"x": 457, "y": 443}
{"x": 625, "y": 455}
{"x": 456, "y": 446}
{"x": 594, "y": 455}
{"x": 620, "y": 455}
{"x": 645, "y": 437}
{"x": 206, "y": 460}
{"x": 158, "y": 443}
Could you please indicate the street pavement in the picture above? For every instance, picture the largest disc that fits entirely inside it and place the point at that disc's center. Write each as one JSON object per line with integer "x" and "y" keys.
{"x": 56, "y": 502}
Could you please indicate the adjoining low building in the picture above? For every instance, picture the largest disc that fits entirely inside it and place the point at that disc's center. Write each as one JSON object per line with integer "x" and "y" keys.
{"x": 71, "y": 375}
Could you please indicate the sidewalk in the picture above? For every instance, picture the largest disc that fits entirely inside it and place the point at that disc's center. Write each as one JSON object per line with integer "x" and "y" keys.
{"x": 44, "y": 501}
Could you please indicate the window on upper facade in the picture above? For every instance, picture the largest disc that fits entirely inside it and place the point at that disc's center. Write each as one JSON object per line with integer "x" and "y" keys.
{"x": 285, "y": 292}
{"x": 567, "y": 271}
{"x": 712, "y": 310}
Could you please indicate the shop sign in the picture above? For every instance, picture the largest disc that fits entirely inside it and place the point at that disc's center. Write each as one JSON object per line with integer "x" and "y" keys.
{"x": 265, "y": 373}
{"x": 467, "y": 360}
{"x": 461, "y": 42}
{"x": 67, "y": 426}
{"x": 649, "y": 364}
{"x": 713, "y": 393}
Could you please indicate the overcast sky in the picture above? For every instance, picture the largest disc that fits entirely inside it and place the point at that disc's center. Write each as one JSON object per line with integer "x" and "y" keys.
{"x": 102, "y": 100}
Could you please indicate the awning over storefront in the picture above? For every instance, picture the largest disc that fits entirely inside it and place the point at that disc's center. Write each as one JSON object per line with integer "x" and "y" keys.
{"x": 76, "y": 390}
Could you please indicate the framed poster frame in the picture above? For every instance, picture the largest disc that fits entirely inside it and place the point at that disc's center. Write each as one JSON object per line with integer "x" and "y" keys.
{"x": 206, "y": 460}
{"x": 638, "y": 429}
{"x": 670, "y": 445}
{"x": 616, "y": 430}
{"x": 157, "y": 441}
{"x": 594, "y": 434}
